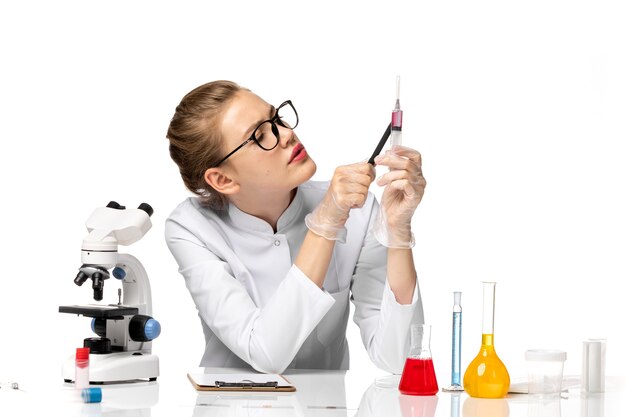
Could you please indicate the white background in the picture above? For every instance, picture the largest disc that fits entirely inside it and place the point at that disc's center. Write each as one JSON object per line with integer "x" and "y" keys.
{"x": 517, "y": 107}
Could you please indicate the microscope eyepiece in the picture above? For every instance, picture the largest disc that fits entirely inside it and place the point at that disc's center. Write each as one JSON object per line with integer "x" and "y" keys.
{"x": 147, "y": 208}
{"x": 80, "y": 278}
{"x": 115, "y": 205}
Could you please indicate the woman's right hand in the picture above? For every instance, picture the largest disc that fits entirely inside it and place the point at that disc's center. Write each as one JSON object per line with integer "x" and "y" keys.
{"x": 348, "y": 189}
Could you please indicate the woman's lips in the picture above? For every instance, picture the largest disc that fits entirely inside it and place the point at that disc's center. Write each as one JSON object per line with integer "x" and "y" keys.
{"x": 298, "y": 153}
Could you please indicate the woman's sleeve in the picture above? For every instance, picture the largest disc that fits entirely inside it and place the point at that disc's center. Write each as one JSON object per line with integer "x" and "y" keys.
{"x": 384, "y": 323}
{"x": 267, "y": 338}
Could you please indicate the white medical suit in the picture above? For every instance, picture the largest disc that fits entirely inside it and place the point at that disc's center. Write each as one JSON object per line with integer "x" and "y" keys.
{"x": 259, "y": 310}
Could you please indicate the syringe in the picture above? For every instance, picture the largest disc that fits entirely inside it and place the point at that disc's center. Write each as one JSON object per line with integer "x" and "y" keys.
{"x": 396, "y": 118}
{"x": 394, "y": 129}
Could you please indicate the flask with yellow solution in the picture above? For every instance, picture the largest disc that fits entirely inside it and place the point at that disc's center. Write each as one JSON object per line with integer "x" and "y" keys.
{"x": 486, "y": 376}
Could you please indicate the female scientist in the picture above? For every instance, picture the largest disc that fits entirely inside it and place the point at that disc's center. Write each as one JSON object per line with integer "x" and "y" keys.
{"x": 270, "y": 258}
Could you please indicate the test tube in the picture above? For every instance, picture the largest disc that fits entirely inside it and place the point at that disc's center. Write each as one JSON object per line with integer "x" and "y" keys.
{"x": 456, "y": 344}
{"x": 81, "y": 376}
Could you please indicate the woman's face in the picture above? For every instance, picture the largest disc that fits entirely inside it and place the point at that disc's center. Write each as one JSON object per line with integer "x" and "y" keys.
{"x": 280, "y": 169}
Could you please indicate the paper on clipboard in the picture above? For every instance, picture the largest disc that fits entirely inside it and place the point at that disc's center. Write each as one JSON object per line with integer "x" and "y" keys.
{"x": 239, "y": 382}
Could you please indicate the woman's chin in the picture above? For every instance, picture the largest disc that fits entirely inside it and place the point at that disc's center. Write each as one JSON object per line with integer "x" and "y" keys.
{"x": 309, "y": 169}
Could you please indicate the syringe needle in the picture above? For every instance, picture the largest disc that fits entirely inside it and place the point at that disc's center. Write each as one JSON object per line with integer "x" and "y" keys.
{"x": 397, "y": 93}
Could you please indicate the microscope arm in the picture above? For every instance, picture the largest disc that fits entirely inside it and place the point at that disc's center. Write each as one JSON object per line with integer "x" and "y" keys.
{"x": 135, "y": 284}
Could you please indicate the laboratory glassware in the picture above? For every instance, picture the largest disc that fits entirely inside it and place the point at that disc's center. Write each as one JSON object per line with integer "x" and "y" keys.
{"x": 486, "y": 376}
{"x": 418, "y": 376}
{"x": 396, "y": 119}
{"x": 456, "y": 344}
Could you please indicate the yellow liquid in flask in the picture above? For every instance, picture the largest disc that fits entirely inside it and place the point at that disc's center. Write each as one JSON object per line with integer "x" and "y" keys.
{"x": 486, "y": 376}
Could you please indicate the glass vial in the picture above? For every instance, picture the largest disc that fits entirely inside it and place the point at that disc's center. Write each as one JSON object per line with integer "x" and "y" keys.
{"x": 486, "y": 376}
{"x": 81, "y": 376}
{"x": 418, "y": 376}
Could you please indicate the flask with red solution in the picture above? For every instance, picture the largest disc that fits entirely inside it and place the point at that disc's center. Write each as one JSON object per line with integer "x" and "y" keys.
{"x": 418, "y": 376}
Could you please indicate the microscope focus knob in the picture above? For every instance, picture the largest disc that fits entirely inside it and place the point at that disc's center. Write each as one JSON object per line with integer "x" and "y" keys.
{"x": 143, "y": 328}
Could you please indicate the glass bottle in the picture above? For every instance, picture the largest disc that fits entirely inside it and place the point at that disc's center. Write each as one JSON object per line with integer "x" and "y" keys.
{"x": 418, "y": 376}
{"x": 486, "y": 376}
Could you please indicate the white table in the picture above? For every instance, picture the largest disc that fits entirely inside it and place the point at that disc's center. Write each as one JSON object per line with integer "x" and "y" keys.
{"x": 319, "y": 393}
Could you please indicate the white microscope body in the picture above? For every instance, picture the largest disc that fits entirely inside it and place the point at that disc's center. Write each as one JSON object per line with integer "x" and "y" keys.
{"x": 122, "y": 353}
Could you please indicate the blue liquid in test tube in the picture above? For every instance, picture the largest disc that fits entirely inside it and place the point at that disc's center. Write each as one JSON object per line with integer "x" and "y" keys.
{"x": 456, "y": 347}
{"x": 456, "y": 344}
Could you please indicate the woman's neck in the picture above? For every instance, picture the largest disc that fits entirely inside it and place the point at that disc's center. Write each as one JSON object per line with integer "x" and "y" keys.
{"x": 268, "y": 206}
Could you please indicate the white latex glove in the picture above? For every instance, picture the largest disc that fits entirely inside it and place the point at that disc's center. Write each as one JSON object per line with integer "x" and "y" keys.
{"x": 404, "y": 188}
{"x": 348, "y": 189}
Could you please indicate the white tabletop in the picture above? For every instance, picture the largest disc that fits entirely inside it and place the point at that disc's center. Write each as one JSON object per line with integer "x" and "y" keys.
{"x": 319, "y": 393}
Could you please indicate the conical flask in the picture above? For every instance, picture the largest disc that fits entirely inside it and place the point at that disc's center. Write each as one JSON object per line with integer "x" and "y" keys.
{"x": 486, "y": 376}
{"x": 418, "y": 376}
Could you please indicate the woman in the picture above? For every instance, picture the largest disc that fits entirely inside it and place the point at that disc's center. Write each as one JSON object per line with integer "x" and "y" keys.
{"x": 270, "y": 258}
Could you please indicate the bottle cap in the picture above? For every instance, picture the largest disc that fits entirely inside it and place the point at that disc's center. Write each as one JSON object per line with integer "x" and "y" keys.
{"x": 547, "y": 355}
{"x": 92, "y": 395}
{"x": 82, "y": 353}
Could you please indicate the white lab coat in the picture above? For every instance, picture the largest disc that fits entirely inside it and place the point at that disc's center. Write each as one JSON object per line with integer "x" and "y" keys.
{"x": 259, "y": 310}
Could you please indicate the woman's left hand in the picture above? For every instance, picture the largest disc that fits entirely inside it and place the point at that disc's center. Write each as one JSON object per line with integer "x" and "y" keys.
{"x": 404, "y": 188}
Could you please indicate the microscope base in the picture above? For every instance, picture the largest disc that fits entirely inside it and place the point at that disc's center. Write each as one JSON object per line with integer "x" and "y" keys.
{"x": 117, "y": 367}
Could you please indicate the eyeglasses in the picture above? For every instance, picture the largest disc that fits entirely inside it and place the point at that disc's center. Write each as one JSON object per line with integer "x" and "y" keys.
{"x": 266, "y": 134}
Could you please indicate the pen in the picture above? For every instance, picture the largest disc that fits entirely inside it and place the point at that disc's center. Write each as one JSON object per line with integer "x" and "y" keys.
{"x": 246, "y": 384}
{"x": 380, "y": 145}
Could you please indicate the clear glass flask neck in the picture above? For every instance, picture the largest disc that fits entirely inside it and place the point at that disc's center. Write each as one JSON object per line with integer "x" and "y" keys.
{"x": 489, "y": 305}
{"x": 420, "y": 342}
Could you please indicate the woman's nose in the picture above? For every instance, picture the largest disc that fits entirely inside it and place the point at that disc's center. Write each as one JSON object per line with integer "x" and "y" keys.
{"x": 286, "y": 136}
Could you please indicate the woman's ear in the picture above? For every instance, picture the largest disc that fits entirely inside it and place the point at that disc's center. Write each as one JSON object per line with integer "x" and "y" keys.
{"x": 220, "y": 181}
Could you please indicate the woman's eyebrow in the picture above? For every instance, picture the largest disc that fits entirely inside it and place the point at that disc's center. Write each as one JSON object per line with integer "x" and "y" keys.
{"x": 258, "y": 122}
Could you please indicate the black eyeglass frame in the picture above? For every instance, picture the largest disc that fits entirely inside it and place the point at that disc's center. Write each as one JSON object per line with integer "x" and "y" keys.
{"x": 273, "y": 121}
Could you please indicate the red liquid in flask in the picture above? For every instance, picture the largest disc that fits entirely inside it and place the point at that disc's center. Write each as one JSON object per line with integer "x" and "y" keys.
{"x": 418, "y": 377}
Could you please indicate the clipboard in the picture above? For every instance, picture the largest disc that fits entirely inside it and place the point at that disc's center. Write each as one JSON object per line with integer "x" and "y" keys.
{"x": 240, "y": 382}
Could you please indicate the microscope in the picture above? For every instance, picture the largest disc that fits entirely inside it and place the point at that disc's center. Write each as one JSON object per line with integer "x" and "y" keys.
{"x": 125, "y": 330}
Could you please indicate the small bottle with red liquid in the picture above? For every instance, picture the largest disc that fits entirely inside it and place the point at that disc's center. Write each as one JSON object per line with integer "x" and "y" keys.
{"x": 81, "y": 379}
{"x": 418, "y": 376}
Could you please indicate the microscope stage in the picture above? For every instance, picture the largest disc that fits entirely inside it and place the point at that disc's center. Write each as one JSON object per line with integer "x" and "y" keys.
{"x": 111, "y": 311}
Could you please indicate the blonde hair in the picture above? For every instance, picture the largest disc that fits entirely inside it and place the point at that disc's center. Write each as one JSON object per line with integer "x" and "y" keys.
{"x": 195, "y": 137}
